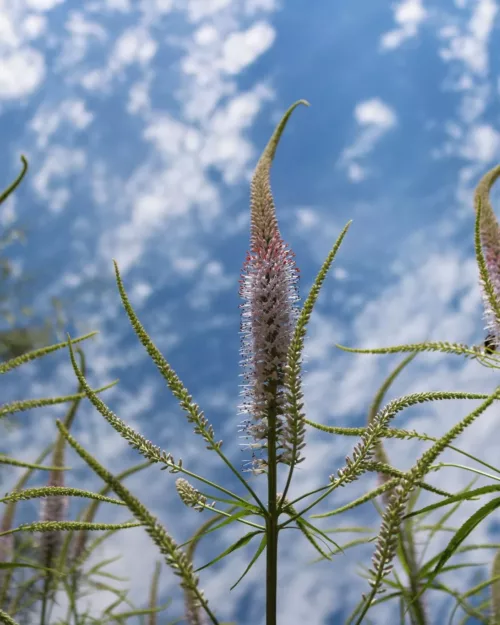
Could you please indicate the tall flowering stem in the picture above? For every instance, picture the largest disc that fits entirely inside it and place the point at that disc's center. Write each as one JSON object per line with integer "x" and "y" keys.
{"x": 269, "y": 289}
{"x": 488, "y": 255}
{"x": 55, "y": 507}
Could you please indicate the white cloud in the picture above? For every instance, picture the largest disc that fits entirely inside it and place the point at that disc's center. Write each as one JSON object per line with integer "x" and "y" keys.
{"x": 340, "y": 273}
{"x": 255, "y": 6}
{"x": 43, "y": 5}
{"x": 213, "y": 50}
{"x": 213, "y": 280}
{"x": 175, "y": 181}
{"x": 241, "y": 49}
{"x": 471, "y": 47}
{"x": 482, "y": 144}
{"x": 21, "y": 73}
{"x": 356, "y": 173}
{"x": 60, "y": 163}
{"x": 374, "y": 112}
{"x": 216, "y": 53}
{"x": 83, "y": 34}
{"x": 48, "y": 120}
{"x": 124, "y": 6}
{"x": 409, "y": 15}
{"x": 200, "y": 9}
{"x": 466, "y": 50}
{"x": 374, "y": 118}
{"x": 34, "y": 26}
{"x": 138, "y": 98}
{"x": 135, "y": 45}
{"x": 8, "y": 31}
{"x": 226, "y": 147}
{"x": 140, "y": 292}
{"x": 180, "y": 185}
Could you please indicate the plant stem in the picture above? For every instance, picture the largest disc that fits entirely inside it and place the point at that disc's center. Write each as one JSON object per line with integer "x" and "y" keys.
{"x": 416, "y": 606}
{"x": 272, "y": 521}
{"x": 43, "y": 611}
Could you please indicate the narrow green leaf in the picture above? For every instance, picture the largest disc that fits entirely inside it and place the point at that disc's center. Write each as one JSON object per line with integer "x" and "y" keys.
{"x": 462, "y": 534}
{"x": 254, "y": 559}
{"x": 241, "y": 542}
{"x": 460, "y": 497}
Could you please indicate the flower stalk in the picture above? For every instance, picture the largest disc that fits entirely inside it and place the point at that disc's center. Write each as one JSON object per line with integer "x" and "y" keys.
{"x": 269, "y": 289}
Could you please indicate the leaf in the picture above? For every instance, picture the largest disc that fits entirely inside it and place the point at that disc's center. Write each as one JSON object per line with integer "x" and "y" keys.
{"x": 460, "y": 497}
{"x": 461, "y": 535}
{"x": 241, "y": 542}
{"x": 260, "y": 549}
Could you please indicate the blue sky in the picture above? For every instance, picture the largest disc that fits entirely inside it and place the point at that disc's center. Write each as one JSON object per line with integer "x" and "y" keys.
{"x": 142, "y": 122}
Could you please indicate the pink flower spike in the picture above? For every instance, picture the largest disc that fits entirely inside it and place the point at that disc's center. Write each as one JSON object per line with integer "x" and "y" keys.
{"x": 53, "y": 508}
{"x": 489, "y": 231}
{"x": 268, "y": 287}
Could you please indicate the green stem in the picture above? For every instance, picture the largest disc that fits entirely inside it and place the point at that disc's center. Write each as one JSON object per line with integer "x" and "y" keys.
{"x": 46, "y": 585}
{"x": 272, "y": 521}
{"x": 408, "y": 551}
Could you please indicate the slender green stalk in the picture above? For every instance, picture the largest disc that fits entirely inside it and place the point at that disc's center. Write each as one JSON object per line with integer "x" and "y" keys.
{"x": 272, "y": 523}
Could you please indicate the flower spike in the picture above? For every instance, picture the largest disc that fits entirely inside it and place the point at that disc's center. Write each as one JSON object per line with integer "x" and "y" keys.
{"x": 488, "y": 252}
{"x": 269, "y": 289}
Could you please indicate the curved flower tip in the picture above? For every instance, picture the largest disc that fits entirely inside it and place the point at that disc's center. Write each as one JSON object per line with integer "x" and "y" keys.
{"x": 488, "y": 226}
{"x": 489, "y": 232}
{"x": 263, "y": 216}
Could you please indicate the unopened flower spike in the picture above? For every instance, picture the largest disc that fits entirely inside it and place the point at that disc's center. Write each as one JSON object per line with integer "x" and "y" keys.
{"x": 489, "y": 233}
{"x": 189, "y": 495}
{"x": 268, "y": 287}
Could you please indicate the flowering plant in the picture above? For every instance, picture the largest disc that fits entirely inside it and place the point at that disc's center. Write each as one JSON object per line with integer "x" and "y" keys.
{"x": 273, "y": 330}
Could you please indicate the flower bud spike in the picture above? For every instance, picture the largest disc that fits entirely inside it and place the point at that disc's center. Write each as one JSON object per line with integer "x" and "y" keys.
{"x": 489, "y": 248}
{"x": 268, "y": 287}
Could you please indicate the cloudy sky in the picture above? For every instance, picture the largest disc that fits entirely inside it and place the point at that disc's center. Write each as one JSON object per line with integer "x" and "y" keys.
{"x": 142, "y": 121}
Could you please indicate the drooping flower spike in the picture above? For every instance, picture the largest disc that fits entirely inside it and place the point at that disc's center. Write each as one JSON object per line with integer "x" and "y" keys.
{"x": 268, "y": 287}
{"x": 488, "y": 253}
